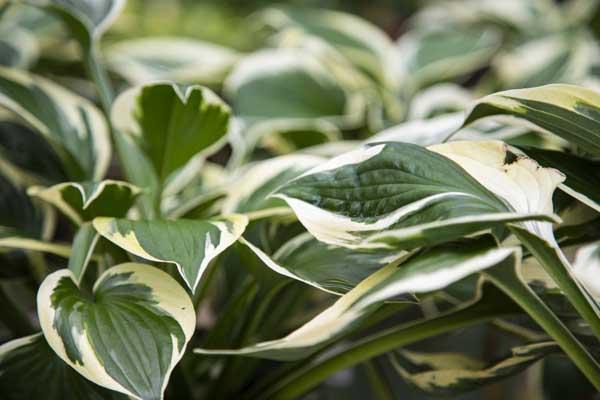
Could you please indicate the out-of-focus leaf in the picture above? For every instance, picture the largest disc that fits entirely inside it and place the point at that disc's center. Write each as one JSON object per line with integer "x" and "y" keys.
{"x": 175, "y": 59}
{"x": 74, "y": 126}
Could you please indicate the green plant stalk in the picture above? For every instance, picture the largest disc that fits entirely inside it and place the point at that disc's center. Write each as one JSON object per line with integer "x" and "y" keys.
{"x": 507, "y": 280}
{"x": 379, "y": 385}
{"x": 99, "y": 76}
{"x": 298, "y": 382}
{"x": 560, "y": 274}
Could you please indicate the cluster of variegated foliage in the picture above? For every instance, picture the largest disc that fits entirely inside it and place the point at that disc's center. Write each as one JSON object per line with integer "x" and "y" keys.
{"x": 342, "y": 197}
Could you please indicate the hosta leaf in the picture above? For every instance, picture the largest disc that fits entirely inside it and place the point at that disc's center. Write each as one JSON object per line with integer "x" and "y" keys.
{"x": 445, "y": 374}
{"x": 250, "y": 192}
{"x": 83, "y": 201}
{"x": 422, "y": 196}
{"x": 436, "y": 55}
{"x": 30, "y": 369}
{"x": 582, "y": 174}
{"x": 330, "y": 268}
{"x": 571, "y": 112}
{"x": 432, "y": 270}
{"x": 188, "y": 244}
{"x": 170, "y": 125}
{"x": 29, "y": 152}
{"x": 127, "y": 335}
{"x": 364, "y": 44}
{"x": 286, "y": 83}
{"x": 18, "y": 47}
{"x": 84, "y": 243}
{"x": 74, "y": 126}
{"x": 175, "y": 59}
{"x": 18, "y": 215}
{"x": 87, "y": 19}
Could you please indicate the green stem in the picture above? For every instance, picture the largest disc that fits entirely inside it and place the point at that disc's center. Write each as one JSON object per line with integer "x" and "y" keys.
{"x": 556, "y": 266}
{"x": 99, "y": 76}
{"x": 510, "y": 283}
{"x": 299, "y": 381}
{"x": 379, "y": 385}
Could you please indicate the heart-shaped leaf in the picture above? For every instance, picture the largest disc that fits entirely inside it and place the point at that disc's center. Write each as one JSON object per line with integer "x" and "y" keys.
{"x": 170, "y": 126}
{"x": 189, "y": 244}
{"x": 127, "y": 335}
{"x": 83, "y": 201}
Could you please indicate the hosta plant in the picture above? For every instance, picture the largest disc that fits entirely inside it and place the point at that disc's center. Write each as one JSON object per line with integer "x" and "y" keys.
{"x": 186, "y": 221}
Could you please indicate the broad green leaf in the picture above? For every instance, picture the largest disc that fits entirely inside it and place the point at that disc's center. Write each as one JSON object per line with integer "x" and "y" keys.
{"x": 127, "y": 335}
{"x": 571, "y": 112}
{"x": 587, "y": 266}
{"x": 177, "y": 59}
{"x": 30, "y": 153}
{"x": 251, "y": 190}
{"x": 288, "y": 84}
{"x": 441, "y": 54}
{"x": 582, "y": 174}
{"x": 190, "y": 245}
{"x": 83, "y": 201}
{"x": 87, "y": 19}
{"x": 171, "y": 125}
{"x": 73, "y": 125}
{"x": 333, "y": 269}
{"x": 30, "y": 369}
{"x": 431, "y": 270}
{"x": 450, "y": 374}
{"x": 417, "y": 196}
{"x": 364, "y": 44}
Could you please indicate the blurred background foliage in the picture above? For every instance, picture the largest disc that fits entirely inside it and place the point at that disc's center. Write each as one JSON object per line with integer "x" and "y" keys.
{"x": 448, "y": 53}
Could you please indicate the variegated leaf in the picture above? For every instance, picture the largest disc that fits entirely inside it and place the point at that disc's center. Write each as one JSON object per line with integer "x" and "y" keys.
{"x": 30, "y": 369}
{"x": 189, "y": 244}
{"x": 177, "y": 59}
{"x": 571, "y": 112}
{"x": 260, "y": 84}
{"x": 330, "y": 268}
{"x": 170, "y": 125}
{"x": 402, "y": 195}
{"x": 432, "y": 270}
{"x": 127, "y": 335}
{"x": 83, "y": 201}
{"x": 251, "y": 190}
{"x": 87, "y": 19}
{"x": 364, "y": 44}
{"x": 74, "y": 126}
{"x": 450, "y": 374}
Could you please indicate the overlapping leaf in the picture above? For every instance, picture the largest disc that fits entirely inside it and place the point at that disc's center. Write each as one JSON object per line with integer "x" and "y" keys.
{"x": 432, "y": 270}
{"x": 404, "y": 195}
{"x": 189, "y": 244}
{"x": 73, "y": 125}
